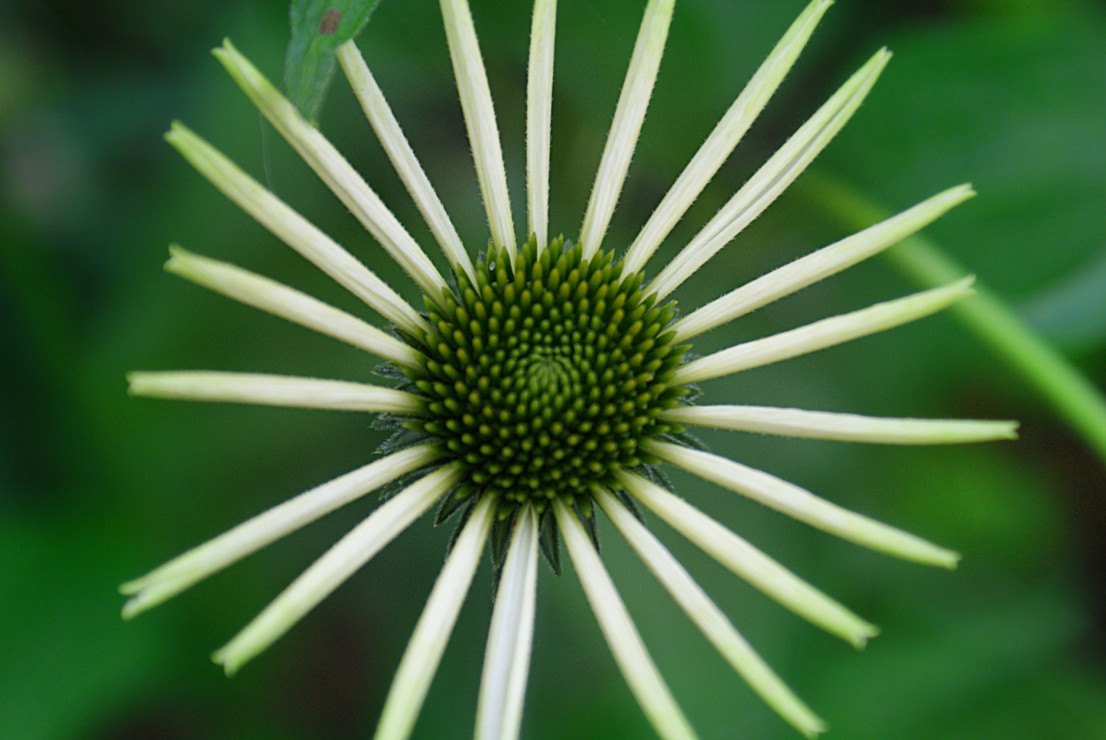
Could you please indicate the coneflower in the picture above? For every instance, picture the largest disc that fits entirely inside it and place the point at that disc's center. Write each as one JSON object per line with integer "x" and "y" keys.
{"x": 549, "y": 378}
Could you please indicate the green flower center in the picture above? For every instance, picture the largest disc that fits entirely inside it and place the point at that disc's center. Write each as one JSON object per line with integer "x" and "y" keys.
{"x": 544, "y": 379}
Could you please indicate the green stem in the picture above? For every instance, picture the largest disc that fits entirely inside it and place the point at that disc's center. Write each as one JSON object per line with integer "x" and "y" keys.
{"x": 921, "y": 259}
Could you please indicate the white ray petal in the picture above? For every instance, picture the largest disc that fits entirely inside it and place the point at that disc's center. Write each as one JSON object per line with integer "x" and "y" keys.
{"x": 773, "y": 178}
{"x": 287, "y": 303}
{"x": 507, "y": 657}
{"x": 749, "y": 563}
{"x": 804, "y": 506}
{"x": 293, "y": 229}
{"x": 273, "y": 390}
{"x": 841, "y": 427}
{"x": 341, "y": 561}
{"x": 628, "y": 117}
{"x": 251, "y": 535}
{"x": 629, "y": 651}
{"x": 539, "y": 111}
{"x": 424, "y": 651}
{"x": 710, "y": 620}
{"x": 725, "y": 136}
{"x": 403, "y": 158}
{"x": 333, "y": 169}
{"x": 476, "y": 105}
{"x": 822, "y": 334}
{"x": 813, "y": 267}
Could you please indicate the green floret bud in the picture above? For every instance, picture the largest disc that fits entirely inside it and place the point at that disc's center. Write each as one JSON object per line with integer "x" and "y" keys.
{"x": 544, "y": 380}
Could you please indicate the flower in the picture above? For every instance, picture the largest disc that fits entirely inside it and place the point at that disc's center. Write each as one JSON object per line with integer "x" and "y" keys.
{"x": 549, "y": 379}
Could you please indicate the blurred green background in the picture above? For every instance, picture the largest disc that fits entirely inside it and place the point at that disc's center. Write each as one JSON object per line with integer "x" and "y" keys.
{"x": 96, "y": 487}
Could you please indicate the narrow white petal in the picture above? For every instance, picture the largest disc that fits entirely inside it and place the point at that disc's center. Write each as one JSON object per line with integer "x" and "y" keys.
{"x": 539, "y": 111}
{"x": 802, "y": 505}
{"x": 293, "y": 229}
{"x": 842, "y": 427}
{"x": 341, "y": 561}
{"x": 749, "y": 563}
{"x": 721, "y": 142}
{"x": 403, "y": 158}
{"x": 507, "y": 657}
{"x": 813, "y": 267}
{"x": 273, "y": 390}
{"x": 200, "y": 562}
{"x": 710, "y": 620}
{"x": 628, "y": 117}
{"x": 773, "y": 178}
{"x": 333, "y": 169}
{"x": 424, "y": 651}
{"x": 476, "y": 105}
{"x": 821, "y": 334}
{"x": 297, "y": 307}
{"x": 629, "y": 651}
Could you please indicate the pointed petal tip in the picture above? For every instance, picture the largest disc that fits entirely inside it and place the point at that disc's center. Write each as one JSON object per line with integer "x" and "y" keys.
{"x": 177, "y": 255}
{"x": 229, "y": 56}
{"x": 864, "y": 633}
{"x": 875, "y": 64}
{"x": 817, "y": 8}
{"x": 130, "y": 588}
{"x": 138, "y": 383}
{"x": 219, "y": 658}
{"x": 185, "y": 140}
{"x": 229, "y": 662}
{"x": 957, "y": 194}
{"x": 134, "y": 606}
{"x": 965, "y": 285}
{"x": 989, "y": 431}
{"x": 816, "y": 726}
{"x": 176, "y": 129}
{"x": 951, "y": 293}
{"x": 133, "y": 379}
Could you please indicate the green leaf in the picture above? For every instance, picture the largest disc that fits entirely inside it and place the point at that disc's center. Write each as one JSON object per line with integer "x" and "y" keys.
{"x": 319, "y": 27}
{"x": 1072, "y": 312}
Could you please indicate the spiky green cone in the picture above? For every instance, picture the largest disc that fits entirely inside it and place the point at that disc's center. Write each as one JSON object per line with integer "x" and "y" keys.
{"x": 545, "y": 379}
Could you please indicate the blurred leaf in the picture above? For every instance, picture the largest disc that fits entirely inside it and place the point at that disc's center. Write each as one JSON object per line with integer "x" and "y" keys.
{"x": 1013, "y": 103}
{"x": 929, "y": 685}
{"x": 319, "y": 27}
{"x": 1073, "y": 312}
{"x": 66, "y": 658}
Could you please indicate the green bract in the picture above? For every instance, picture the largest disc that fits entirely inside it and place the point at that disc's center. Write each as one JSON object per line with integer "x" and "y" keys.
{"x": 542, "y": 380}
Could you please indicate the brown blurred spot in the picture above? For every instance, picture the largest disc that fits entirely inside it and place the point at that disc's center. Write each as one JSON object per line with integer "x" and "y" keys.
{"x": 329, "y": 24}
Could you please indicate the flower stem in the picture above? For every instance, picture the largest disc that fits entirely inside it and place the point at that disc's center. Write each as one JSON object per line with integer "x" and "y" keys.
{"x": 1065, "y": 387}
